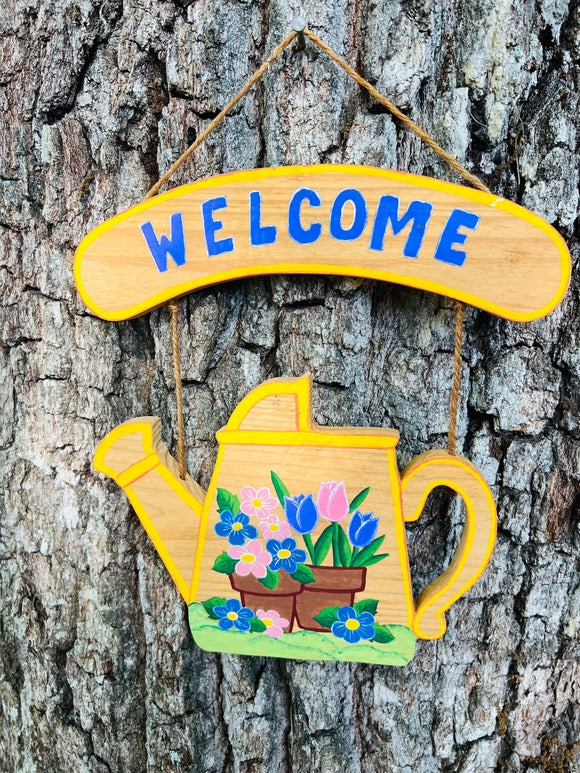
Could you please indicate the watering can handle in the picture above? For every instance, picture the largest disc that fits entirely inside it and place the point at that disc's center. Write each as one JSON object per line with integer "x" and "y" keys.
{"x": 420, "y": 477}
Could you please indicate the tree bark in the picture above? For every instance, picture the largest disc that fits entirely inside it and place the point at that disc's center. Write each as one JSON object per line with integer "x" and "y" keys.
{"x": 98, "y": 671}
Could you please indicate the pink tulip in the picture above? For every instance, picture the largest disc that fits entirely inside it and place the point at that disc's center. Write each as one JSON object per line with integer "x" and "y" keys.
{"x": 332, "y": 501}
{"x": 251, "y": 558}
{"x": 273, "y": 622}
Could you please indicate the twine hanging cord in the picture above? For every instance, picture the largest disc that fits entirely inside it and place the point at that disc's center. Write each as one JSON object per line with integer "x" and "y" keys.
{"x": 459, "y": 309}
{"x": 173, "y": 307}
{"x": 219, "y": 118}
{"x": 421, "y": 133}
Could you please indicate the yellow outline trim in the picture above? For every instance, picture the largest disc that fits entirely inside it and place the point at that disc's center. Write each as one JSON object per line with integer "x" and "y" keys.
{"x": 203, "y": 528}
{"x": 276, "y": 386}
{"x": 254, "y": 175}
{"x": 465, "y": 544}
{"x": 308, "y": 433}
{"x": 136, "y": 471}
{"x": 303, "y": 438}
{"x": 401, "y": 537}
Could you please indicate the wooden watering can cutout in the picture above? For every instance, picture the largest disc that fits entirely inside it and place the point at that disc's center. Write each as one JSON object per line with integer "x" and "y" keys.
{"x": 298, "y": 547}
{"x": 327, "y": 575}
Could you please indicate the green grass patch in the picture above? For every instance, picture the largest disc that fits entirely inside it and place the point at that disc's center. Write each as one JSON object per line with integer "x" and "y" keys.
{"x": 301, "y": 645}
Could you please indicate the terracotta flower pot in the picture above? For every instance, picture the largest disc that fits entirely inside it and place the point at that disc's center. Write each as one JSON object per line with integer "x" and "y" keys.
{"x": 256, "y": 596}
{"x": 334, "y": 587}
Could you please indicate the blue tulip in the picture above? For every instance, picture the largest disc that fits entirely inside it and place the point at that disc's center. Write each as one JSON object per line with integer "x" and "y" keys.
{"x": 301, "y": 513}
{"x": 362, "y": 529}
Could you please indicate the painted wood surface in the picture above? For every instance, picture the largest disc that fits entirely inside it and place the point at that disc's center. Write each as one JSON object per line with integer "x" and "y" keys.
{"x": 333, "y": 219}
{"x": 169, "y": 508}
{"x": 301, "y": 524}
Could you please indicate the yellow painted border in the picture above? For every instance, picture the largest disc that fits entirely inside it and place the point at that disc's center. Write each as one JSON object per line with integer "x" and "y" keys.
{"x": 203, "y": 527}
{"x": 401, "y": 537}
{"x": 301, "y": 438}
{"x": 467, "y": 537}
{"x": 136, "y": 471}
{"x": 254, "y": 175}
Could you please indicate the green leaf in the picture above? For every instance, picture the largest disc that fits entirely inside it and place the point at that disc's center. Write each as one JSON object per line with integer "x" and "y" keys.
{"x": 224, "y": 564}
{"x": 335, "y": 554}
{"x": 383, "y": 634}
{"x": 208, "y": 605}
{"x": 281, "y": 490}
{"x": 327, "y": 617}
{"x": 376, "y": 559}
{"x": 366, "y": 553}
{"x": 343, "y": 547}
{"x": 322, "y": 545}
{"x": 257, "y": 626}
{"x": 366, "y": 605}
{"x": 303, "y": 574}
{"x": 271, "y": 579}
{"x": 227, "y": 501}
{"x": 359, "y": 499}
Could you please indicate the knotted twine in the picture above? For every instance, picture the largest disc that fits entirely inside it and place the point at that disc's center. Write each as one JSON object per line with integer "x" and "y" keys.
{"x": 458, "y": 306}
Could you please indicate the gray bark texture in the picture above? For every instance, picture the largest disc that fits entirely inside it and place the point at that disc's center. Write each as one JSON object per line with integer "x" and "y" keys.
{"x": 98, "y": 671}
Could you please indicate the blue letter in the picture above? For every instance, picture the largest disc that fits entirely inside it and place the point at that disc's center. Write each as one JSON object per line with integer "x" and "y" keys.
{"x": 450, "y": 236}
{"x": 160, "y": 248}
{"x": 211, "y": 227}
{"x": 259, "y": 234}
{"x": 419, "y": 212}
{"x": 360, "y": 216}
{"x": 299, "y": 234}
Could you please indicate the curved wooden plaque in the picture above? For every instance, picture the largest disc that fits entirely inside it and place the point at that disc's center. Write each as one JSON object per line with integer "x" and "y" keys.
{"x": 327, "y": 219}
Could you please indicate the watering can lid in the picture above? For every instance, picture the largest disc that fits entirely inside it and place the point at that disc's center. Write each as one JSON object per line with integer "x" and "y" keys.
{"x": 279, "y": 412}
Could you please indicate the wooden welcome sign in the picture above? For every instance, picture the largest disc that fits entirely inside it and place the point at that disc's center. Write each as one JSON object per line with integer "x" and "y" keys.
{"x": 298, "y": 547}
{"x": 347, "y": 220}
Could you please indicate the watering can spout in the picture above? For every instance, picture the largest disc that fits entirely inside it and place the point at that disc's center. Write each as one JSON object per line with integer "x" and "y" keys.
{"x": 136, "y": 458}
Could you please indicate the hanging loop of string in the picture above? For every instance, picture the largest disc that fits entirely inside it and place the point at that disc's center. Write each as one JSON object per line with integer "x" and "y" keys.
{"x": 427, "y": 139}
{"x": 458, "y": 306}
{"x": 219, "y": 118}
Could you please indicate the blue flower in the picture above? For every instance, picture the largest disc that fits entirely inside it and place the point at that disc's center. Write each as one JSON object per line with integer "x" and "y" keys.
{"x": 301, "y": 513}
{"x": 235, "y": 527}
{"x": 234, "y": 615}
{"x": 285, "y": 555}
{"x": 362, "y": 529}
{"x": 352, "y": 627}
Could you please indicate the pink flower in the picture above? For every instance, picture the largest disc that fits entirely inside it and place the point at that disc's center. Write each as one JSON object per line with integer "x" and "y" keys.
{"x": 257, "y": 502}
{"x": 273, "y": 622}
{"x": 332, "y": 501}
{"x": 251, "y": 558}
{"x": 273, "y": 528}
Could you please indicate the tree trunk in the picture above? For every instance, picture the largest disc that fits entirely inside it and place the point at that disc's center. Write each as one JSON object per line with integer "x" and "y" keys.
{"x": 98, "y": 671}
